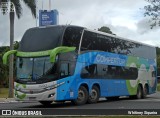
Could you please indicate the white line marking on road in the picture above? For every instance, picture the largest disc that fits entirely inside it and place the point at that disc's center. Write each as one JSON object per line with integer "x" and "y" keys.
{"x": 144, "y": 100}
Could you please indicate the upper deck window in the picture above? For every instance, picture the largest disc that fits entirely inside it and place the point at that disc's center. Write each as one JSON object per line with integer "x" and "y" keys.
{"x": 72, "y": 36}
{"x": 101, "y": 42}
{"x": 41, "y": 39}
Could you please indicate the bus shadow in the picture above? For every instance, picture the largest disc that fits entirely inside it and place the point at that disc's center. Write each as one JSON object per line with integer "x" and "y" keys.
{"x": 53, "y": 105}
{"x": 71, "y": 105}
{"x": 124, "y": 99}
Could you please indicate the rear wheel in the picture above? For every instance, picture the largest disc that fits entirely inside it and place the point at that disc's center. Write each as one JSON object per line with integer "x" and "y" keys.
{"x": 95, "y": 94}
{"x": 145, "y": 91}
{"x": 139, "y": 92}
{"x": 46, "y": 102}
{"x": 82, "y": 96}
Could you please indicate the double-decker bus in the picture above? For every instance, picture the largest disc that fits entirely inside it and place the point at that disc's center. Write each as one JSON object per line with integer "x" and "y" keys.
{"x": 72, "y": 63}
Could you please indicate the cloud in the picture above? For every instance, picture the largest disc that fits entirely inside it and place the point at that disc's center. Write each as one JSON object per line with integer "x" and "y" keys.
{"x": 125, "y": 18}
{"x": 4, "y": 32}
{"x": 21, "y": 25}
{"x": 143, "y": 26}
{"x": 143, "y": 33}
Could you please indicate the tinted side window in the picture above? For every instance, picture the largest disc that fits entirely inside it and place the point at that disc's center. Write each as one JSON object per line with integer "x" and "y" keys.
{"x": 72, "y": 36}
{"x": 89, "y": 71}
{"x": 115, "y": 45}
{"x": 107, "y": 43}
{"x": 64, "y": 69}
{"x": 95, "y": 41}
{"x": 89, "y": 41}
{"x": 100, "y": 71}
{"x": 124, "y": 72}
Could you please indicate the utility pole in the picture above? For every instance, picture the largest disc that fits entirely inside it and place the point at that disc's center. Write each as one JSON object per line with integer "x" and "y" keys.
{"x": 49, "y": 4}
{"x": 11, "y": 59}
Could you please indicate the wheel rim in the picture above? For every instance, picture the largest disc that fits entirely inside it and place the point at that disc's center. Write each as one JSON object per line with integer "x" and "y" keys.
{"x": 81, "y": 95}
{"x": 93, "y": 95}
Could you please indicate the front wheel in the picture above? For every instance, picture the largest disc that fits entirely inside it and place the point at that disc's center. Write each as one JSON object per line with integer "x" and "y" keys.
{"x": 82, "y": 96}
{"x": 95, "y": 94}
{"x": 46, "y": 102}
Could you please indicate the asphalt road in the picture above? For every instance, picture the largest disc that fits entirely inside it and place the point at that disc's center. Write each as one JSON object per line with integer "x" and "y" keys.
{"x": 151, "y": 102}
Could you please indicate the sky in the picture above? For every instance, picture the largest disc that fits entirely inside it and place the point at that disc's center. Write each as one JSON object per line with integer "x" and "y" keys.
{"x": 124, "y": 17}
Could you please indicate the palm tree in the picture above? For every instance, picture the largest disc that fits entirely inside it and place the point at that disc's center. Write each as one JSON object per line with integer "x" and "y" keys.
{"x": 16, "y": 4}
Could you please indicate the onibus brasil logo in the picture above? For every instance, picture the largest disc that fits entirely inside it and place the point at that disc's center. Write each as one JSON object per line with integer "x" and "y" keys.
{"x": 7, "y": 7}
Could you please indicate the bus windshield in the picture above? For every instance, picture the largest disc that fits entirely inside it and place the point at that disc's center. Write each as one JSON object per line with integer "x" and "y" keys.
{"x": 40, "y": 39}
{"x": 32, "y": 68}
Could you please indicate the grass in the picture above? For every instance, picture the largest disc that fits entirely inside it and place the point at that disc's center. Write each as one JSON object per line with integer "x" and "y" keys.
{"x": 3, "y": 92}
{"x": 117, "y": 117}
{"x": 89, "y": 116}
{"x": 122, "y": 116}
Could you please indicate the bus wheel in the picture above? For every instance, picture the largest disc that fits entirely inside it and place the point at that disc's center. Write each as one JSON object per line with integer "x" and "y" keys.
{"x": 95, "y": 94}
{"x": 46, "y": 102}
{"x": 145, "y": 91}
{"x": 139, "y": 92}
{"x": 82, "y": 96}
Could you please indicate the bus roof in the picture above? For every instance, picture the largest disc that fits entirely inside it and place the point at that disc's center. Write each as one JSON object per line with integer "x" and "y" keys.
{"x": 95, "y": 31}
{"x": 104, "y": 33}
{"x": 115, "y": 36}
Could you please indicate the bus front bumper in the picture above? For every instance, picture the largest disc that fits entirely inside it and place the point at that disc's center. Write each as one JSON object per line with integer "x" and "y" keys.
{"x": 49, "y": 95}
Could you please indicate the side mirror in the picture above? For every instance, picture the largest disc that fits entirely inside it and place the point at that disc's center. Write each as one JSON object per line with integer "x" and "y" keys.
{"x": 6, "y": 55}
{"x": 61, "y": 49}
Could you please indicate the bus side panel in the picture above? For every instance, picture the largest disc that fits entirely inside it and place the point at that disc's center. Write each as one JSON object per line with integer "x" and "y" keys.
{"x": 153, "y": 81}
{"x": 121, "y": 88}
{"x": 146, "y": 70}
{"x": 109, "y": 86}
{"x": 67, "y": 90}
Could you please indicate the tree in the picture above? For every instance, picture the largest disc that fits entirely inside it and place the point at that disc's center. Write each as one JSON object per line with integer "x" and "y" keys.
{"x": 3, "y": 68}
{"x": 16, "y": 4}
{"x": 105, "y": 29}
{"x": 153, "y": 11}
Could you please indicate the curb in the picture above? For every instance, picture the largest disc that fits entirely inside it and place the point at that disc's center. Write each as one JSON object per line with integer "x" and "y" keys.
{"x": 12, "y": 100}
{"x": 7, "y": 100}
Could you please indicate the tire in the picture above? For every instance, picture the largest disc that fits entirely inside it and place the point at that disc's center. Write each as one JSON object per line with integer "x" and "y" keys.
{"x": 95, "y": 94}
{"x": 139, "y": 92}
{"x": 145, "y": 91}
{"x": 82, "y": 96}
{"x": 46, "y": 102}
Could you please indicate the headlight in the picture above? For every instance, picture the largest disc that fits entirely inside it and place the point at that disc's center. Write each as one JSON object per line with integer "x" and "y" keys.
{"x": 54, "y": 86}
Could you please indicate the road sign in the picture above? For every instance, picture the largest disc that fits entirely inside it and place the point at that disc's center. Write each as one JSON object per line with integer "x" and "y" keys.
{"x": 48, "y": 17}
